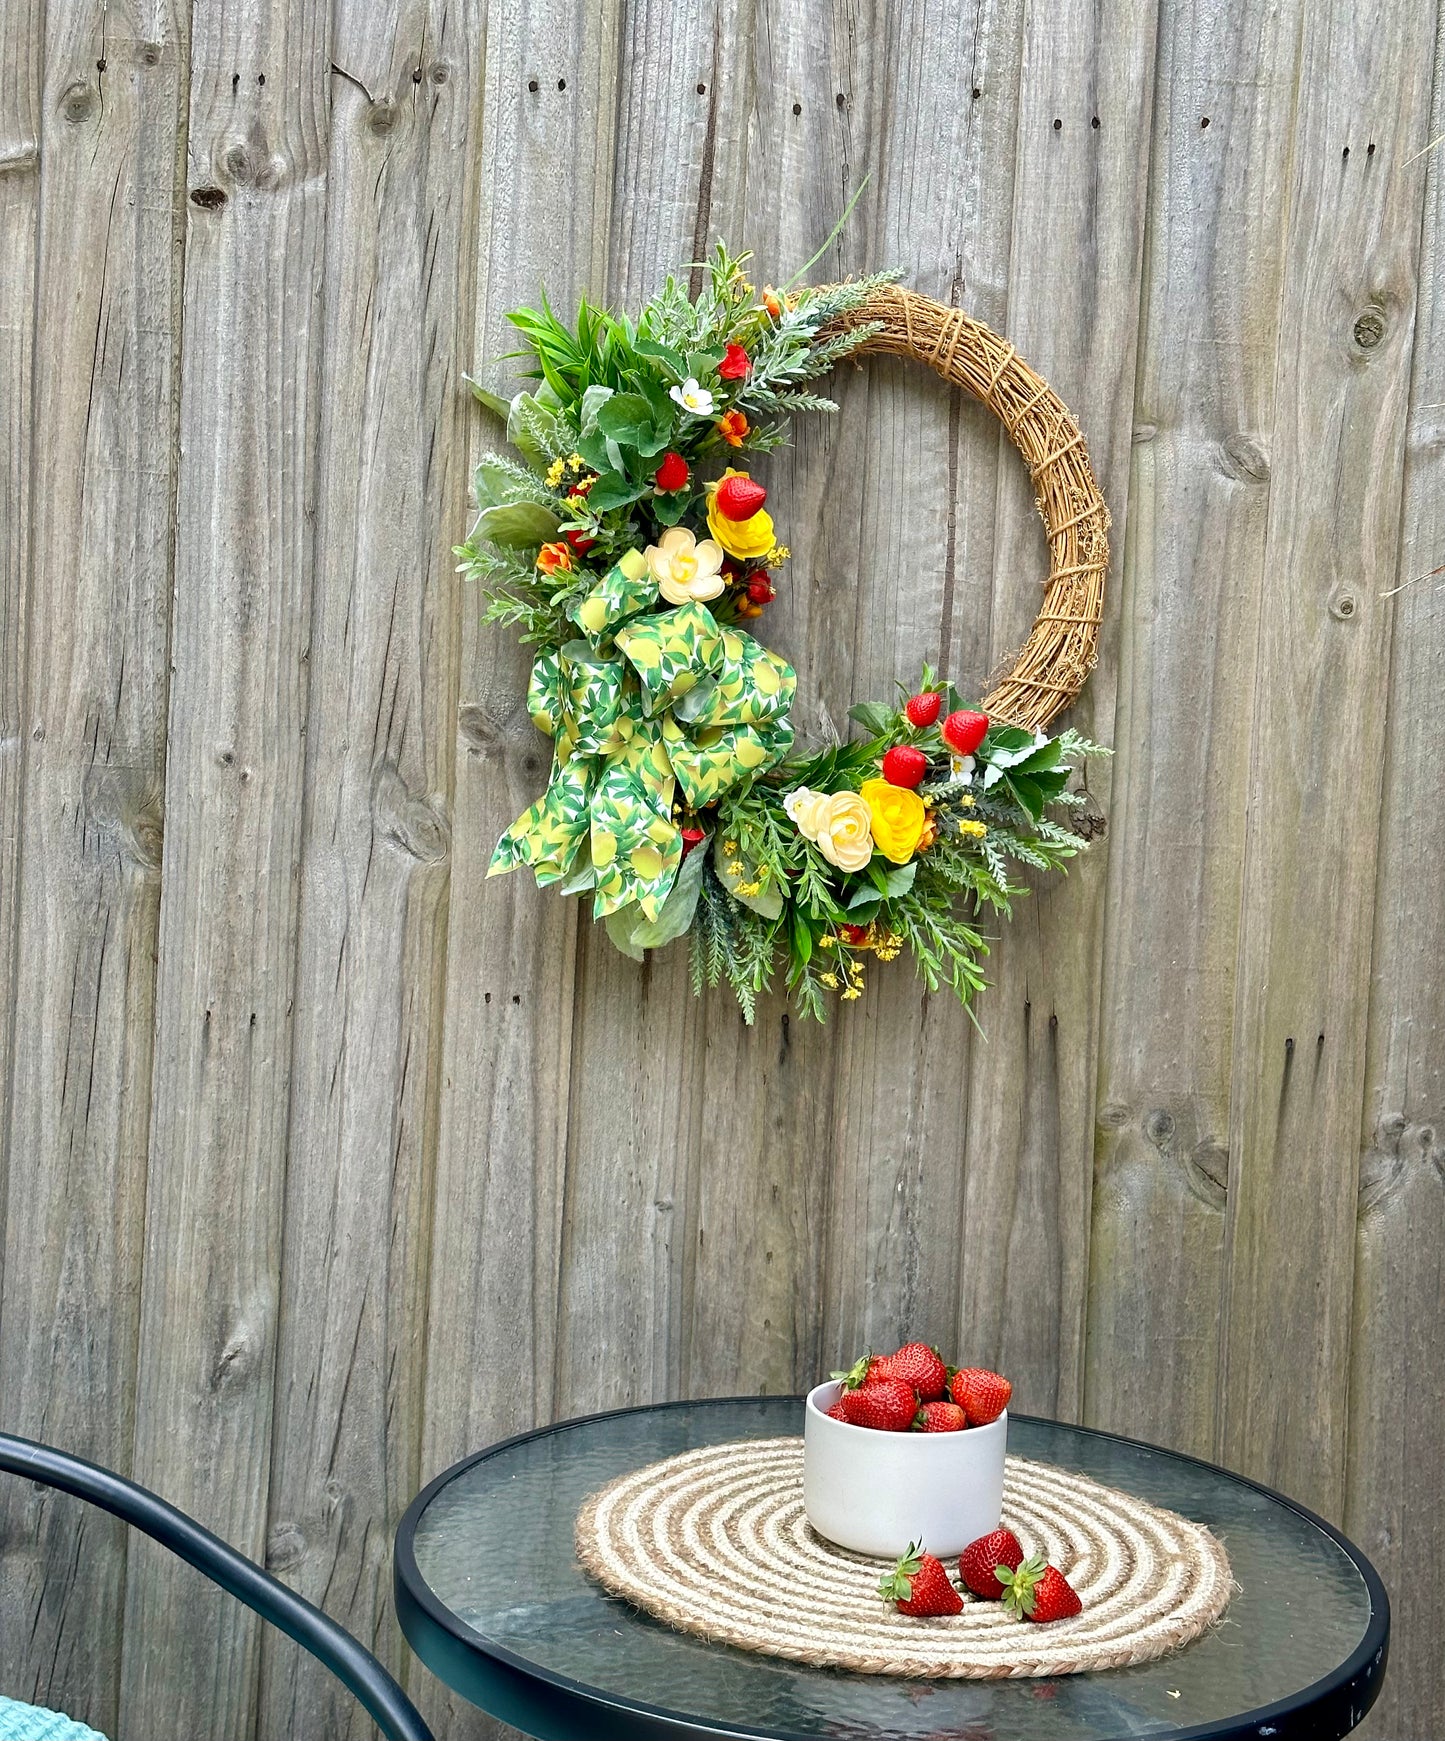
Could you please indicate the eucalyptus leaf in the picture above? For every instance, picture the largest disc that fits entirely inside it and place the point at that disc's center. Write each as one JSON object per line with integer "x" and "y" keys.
{"x": 532, "y": 427}
{"x": 767, "y": 903}
{"x": 676, "y": 912}
{"x": 517, "y": 525}
{"x": 493, "y": 401}
{"x": 620, "y": 927}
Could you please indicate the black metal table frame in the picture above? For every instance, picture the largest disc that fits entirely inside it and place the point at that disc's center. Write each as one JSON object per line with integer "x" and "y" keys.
{"x": 551, "y": 1707}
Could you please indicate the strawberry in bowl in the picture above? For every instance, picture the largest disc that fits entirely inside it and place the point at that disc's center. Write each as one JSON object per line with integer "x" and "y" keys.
{"x": 892, "y": 1455}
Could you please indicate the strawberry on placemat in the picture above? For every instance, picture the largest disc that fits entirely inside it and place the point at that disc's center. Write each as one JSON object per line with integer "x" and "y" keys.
{"x": 980, "y": 1561}
{"x": 920, "y": 1586}
{"x": 1038, "y": 1592}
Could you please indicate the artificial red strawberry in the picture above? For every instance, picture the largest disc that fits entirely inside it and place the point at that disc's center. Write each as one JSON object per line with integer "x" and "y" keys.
{"x": 922, "y": 709}
{"x": 888, "y": 1405}
{"x": 672, "y": 474}
{"x": 920, "y": 1586}
{"x": 1039, "y": 1593}
{"x": 856, "y": 934}
{"x": 691, "y": 837}
{"x": 904, "y": 766}
{"x": 979, "y": 1562}
{"x": 963, "y": 732}
{"x": 760, "y": 589}
{"x": 922, "y": 1367}
{"x": 738, "y": 497}
{"x": 981, "y": 1394}
{"x": 940, "y": 1417}
{"x": 579, "y": 541}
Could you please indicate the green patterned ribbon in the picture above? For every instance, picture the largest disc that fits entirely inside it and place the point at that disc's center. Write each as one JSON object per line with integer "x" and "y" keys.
{"x": 642, "y": 706}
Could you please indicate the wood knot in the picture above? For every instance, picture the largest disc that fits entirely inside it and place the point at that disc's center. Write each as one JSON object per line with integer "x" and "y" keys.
{"x": 124, "y": 808}
{"x": 381, "y": 116}
{"x": 285, "y": 1547}
{"x": 1243, "y": 457}
{"x": 210, "y": 199}
{"x": 414, "y": 824}
{"x": 1343, "y": 606}
{"x": 1369, "y": 329}
{"x": 79, "y": 102}
{"x": 239, "y": 1358}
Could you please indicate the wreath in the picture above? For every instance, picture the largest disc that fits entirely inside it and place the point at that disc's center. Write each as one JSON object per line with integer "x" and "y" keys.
{"x": 630, "y": 546}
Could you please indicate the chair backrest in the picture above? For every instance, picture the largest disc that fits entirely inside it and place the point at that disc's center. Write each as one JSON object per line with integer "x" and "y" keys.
{"x": 352, "y": 1664}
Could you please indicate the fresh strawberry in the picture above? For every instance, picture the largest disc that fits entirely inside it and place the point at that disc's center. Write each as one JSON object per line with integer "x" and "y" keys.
{"x": 904, "y": 766}
{"x": 864, "y": 1370}
{"x": 981, "y": 1394}
{"x": 839, "y": 1411}
{"x": 739, "y": 497}
{"x": 922, "y": 1367}
{"x": 920, "y": 1586}
{"x": 979, "y": 1562}
{"x": 923, "y": 709}
{"x": 940, "y": 1417}
{"x": 888, "y": 1405}
{"x": 963, "y": 732}
{"x": 1040, "y": 1593}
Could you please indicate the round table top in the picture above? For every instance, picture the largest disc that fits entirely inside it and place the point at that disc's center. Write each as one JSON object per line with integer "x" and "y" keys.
{"x": 491, "y": 1597}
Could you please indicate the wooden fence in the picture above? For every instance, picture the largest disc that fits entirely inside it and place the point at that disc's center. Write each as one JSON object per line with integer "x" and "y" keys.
{"x": 327, "y": 1161}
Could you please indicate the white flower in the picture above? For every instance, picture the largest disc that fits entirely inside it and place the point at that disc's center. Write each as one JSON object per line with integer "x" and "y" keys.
{"x": 683, "y": 569}
{"x": 962, "y": 767}
{"x": 693, "y": 398}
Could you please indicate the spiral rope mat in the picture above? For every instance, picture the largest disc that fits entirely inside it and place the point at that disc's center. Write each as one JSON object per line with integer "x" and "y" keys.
{"x": 715, "y": 1543}
{"x": 1054, "y": 662}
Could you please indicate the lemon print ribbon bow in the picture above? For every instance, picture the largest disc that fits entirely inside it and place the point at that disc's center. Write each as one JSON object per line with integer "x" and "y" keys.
{"x": 640, "y": 708}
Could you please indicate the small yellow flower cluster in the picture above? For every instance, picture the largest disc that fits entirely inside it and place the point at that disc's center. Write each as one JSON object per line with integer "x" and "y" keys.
{"x": 974, "y": 830}
{"x": 559, "y": 468}
{"x": 735, "y": 870}
{"x": 777, "y": 556}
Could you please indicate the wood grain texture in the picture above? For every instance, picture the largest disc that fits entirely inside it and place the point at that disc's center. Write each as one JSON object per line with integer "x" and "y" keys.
{"x": 1323, "y": 658}
{"x": 245, "y": 553}
{"x": 375, "y": 854}
{"x": 90, "y": 840}
{"x": 1397, "y": 1368}
{"x": 921, "y": 456}
{"x": 1192, "y": 579}
{"x": 502, "y": 1143}
{"x": 1078, "y": 217}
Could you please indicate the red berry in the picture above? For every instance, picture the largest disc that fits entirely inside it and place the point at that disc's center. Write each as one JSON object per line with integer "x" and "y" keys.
{"x": 980, "y": 1560}
{"x": 940, "y": 1417}
{"x": 904, "y": 766}
{"x": 920, "y": 1366}
{"x": 888, "y": 1405}
{"x": 1040, "y": 1593}
{"x": 738, "y": 497}
{"x": 691, "y": 837}
{"x": 735, "y": 364}
{"x": 856, "y": 934}
{"x": 920, "y": 1586}
{"x": 760, "y": 588}
{"x": 672, "y": 474}
{"x": 981, "y": 1394}
{"x": 579, "y": 541}
{"x": 922, "y": 709}
{"x": 963, "y": 732}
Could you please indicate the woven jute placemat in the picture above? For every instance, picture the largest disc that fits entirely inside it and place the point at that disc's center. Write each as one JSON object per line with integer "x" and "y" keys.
{"x": 715, "y": 1543}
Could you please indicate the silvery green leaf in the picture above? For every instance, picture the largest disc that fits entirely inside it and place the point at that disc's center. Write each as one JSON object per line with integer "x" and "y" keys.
{"x": 520, "y": 525}
{"x": 620, "y": 926}
{"x": 768, "y": 902}
{"x": 593, "y": 399}
{"x": 677, "y": 910}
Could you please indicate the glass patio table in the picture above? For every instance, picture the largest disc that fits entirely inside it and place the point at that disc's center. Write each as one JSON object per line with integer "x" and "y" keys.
{"x": 493, "y": 1601}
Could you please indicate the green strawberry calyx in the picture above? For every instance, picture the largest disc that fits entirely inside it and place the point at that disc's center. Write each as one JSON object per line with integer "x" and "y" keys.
{"x": 1018, "y": 1587}
{"x": 855, "y": 1374}
{"x": 897, "y": 1585}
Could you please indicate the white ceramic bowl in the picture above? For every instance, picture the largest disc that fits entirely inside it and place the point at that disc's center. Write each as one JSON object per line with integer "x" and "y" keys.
{"x": 877, "y": 1492}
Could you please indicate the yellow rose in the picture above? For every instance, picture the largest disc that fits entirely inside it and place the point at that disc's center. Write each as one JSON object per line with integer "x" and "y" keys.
{"x": 844, "y": 838}
{"x": 749, "y": 540}
{"x": 897, "y": 816}
{"x": 683, "y": 569}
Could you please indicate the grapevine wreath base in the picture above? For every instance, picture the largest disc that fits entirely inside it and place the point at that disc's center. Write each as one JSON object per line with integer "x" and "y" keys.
{"x": 630, "y": 549}
{"x": 715, "y": 1542}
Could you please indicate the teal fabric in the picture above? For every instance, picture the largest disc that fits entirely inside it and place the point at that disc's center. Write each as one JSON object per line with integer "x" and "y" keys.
{"x": 29, "y": 1723}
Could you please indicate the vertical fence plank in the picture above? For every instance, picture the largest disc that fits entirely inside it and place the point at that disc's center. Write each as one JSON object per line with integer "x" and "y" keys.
{"x": 925, "y": 460}
{"x": 245, "y": 549}
{"x": 1322, "y": 668}
{"x": 546, "y": 173}
{"x": 1191, "y": 579}
{"x": 89, "y": 888}
{"x": 1079, "y": 201}
{"x": 394, "y": 430}
{"x": 1397, "y": 1368}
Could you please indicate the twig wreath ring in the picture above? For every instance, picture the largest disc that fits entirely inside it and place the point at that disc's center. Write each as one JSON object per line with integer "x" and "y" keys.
{"x": 630, "y": 550}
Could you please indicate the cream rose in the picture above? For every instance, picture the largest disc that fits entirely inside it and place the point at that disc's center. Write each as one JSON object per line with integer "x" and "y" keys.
{"x": 845, "y": 838}
{"x": 806, "y": 810}
{"x": 684, "y": 569}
